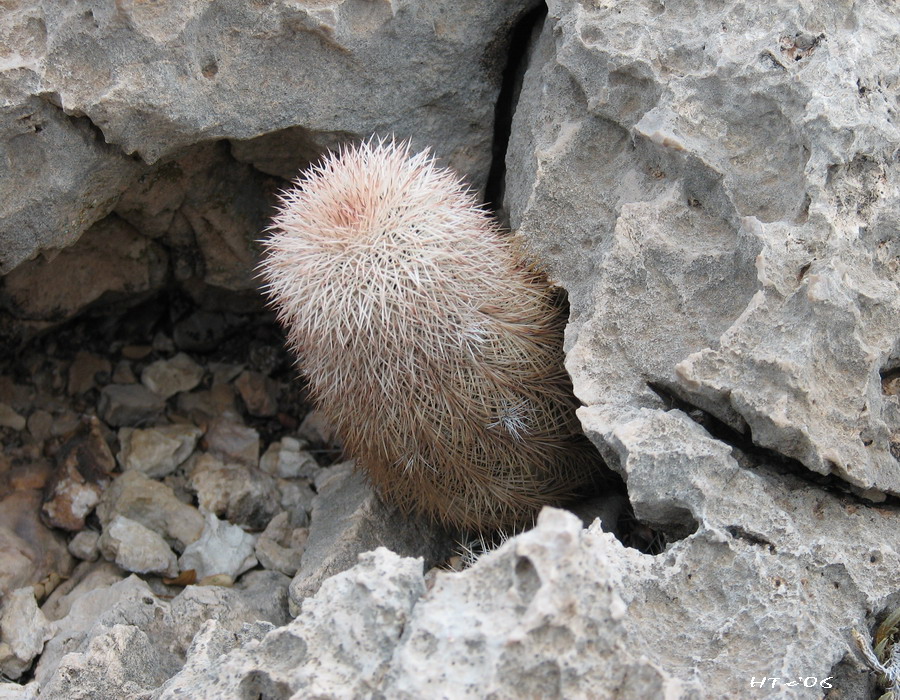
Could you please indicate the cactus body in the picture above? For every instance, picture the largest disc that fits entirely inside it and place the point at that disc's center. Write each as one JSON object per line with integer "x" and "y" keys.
{"x": 435, "y": 354}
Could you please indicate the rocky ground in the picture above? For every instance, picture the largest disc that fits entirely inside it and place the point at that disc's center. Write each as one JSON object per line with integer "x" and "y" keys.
{"x": 716, "y": 187}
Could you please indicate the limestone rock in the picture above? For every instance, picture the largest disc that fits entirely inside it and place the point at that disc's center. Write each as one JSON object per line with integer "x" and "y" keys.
{"x": 84, "y": 466}
{"x": 349, "y": 519}
{"x": 223, "y": 548}
{"x": 84, "y": 370}
{"x": 10, "y": 418}
{"x": 129, "y": 404}
{"x": 240, "y": 494}
{"x": 23, "y": 631}
{"x": 364, "y": 609}
{"x": 136, "y": 548}
{"x": 727, "y": 239}
{"x": 233, "y": 442}
{"x": 153, "y": 505}
{"x": 30, "y": 552}
{"x": 122, "y": 662}
{"x": 157, "y": 451}
{"x": 287, "y": 459}
{"x": 168, "y": 377}
{"x": 168, "y": 625}
{"x": 280, "y": 547}
{"x": 259, "y": 392}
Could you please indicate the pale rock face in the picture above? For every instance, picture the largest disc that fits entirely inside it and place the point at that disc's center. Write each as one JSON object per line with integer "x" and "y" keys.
{"x": 718, "y": 195}
{"x": 716, "y": 188}
{"x": 96, "y": 92}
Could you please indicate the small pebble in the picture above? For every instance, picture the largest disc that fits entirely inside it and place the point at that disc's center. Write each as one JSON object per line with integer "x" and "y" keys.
{"x": 10, "y": 418}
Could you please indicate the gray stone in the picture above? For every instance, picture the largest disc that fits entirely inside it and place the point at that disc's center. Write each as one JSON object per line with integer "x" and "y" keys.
{"x": 129, "y": 404}
{"x": 23, "y": 631}
{"x": 169, "y": 626}
{"x": 153, "y": 505}
{"x": 349, "y": 519}
{"x": 157, "y": 451}
{"x": 75, "y": 111}
{"x": 259, "y": 393}
{"x": 280, "y": 547}
{"x": 14, "y": 691}
{"x": 168, "y": 377}
{"x": 136, "y": 548}
{"x": 364, "y": 610}
{"x": 223, "y": 548}
{"x": 110, "y": 260}
{"x": 545, "y": 615}
{"x": 121, "y": 662}
{"x": 731, "y": 248}
{"x": 233, "y": 442}
{"x": 9, "y": 418}
{"x": 240, "y": 494}
{"x": 84, "y": 370}
{"x": 30, "y": 552}
{"x": 82, "y": 471}
{"x": 288, "y": 460}
{"x": 85, "y": 545}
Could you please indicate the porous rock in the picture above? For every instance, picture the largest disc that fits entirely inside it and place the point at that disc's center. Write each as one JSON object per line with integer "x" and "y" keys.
{"x": 728, "y": 239}
{"x": 169, "y": 626}
{"x": 121, "y": 662}
{"x": 92, "y": 98}
{"x": 349, "y": 519}
{"x": 364, "y": 609}
{"x": 720, "y": 204}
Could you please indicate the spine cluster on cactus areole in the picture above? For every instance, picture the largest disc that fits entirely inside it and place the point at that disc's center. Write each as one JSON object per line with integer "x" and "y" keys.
{"x": 435, "y": 354}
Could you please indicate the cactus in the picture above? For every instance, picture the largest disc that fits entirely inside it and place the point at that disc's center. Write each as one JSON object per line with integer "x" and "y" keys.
{"x": 436, "y": 355}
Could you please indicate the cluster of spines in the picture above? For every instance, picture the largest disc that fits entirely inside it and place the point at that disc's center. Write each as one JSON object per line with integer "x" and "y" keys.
{"x": 435, "y": 354}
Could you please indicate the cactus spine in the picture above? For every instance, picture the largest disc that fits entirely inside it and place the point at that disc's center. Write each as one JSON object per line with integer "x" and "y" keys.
{"x": 435, "y": 354}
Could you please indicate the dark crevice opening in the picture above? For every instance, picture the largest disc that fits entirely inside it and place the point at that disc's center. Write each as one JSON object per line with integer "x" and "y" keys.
{"x": 751, "y": 455}
{"x": 520, "y": 39}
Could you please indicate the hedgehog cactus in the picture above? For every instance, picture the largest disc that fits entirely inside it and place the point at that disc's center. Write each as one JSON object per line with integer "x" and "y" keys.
{"x": 434, "y": 353}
